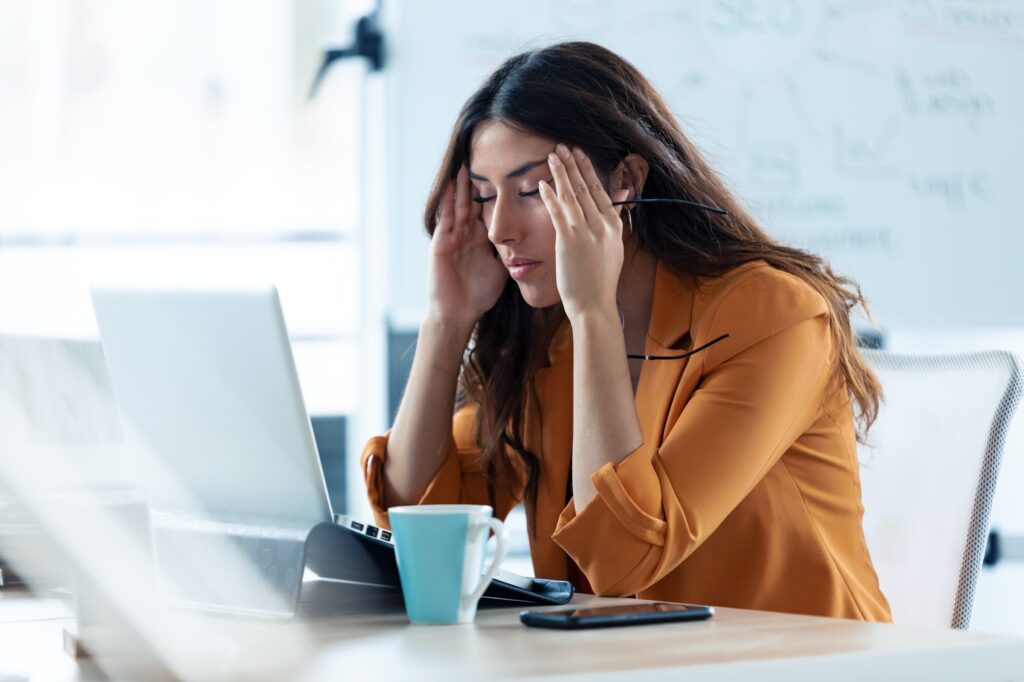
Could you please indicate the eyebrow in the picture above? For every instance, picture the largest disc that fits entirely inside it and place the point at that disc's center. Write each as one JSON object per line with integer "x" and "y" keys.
{"x": 513, "y": 174}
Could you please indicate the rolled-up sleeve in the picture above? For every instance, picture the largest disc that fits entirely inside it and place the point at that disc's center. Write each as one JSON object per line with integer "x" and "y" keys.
{"x": 461, "y": 478}
{"x": 755, "y": 397}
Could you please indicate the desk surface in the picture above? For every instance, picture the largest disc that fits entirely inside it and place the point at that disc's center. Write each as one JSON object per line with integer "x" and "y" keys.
{"x": 735, "y": 644}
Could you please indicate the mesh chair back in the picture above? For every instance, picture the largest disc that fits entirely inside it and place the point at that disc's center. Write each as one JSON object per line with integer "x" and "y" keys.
{"x": 928, "y": 475}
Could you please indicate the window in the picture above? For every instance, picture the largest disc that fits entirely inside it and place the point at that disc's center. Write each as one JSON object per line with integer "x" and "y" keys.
{"x": 175, "y": 140}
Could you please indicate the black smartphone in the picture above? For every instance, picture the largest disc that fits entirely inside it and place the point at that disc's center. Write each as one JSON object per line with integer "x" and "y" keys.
{"x": 611, "y": 616}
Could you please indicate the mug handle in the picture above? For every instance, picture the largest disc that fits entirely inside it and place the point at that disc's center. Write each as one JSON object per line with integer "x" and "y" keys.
{"x": 499, "y": 555}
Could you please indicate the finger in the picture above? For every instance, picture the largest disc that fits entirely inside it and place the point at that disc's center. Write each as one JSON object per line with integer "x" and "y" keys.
{"x": 582, "y": 188}
{"x": 564, "y": 191}
{"x": 446, "y": 208}
{"x": 477, "y": 225}
{"x": 462, "y": 198}
{"x": 597, "y": 192}
{"x": 615, "y": 213}
{"x": 553, "y": 205}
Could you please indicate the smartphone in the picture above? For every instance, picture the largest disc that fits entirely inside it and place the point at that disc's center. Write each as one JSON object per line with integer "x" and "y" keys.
{"x": 612, "y": 616}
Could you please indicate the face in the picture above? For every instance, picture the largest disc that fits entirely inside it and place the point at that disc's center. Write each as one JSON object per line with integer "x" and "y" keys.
{"x": 505, "y": 167}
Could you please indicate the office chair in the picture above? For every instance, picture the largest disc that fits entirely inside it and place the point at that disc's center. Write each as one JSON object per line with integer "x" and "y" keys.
{"x": 928, "y": 476}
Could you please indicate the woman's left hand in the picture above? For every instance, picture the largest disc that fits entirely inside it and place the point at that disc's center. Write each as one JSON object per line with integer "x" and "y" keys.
{"x": 588, "y": 234}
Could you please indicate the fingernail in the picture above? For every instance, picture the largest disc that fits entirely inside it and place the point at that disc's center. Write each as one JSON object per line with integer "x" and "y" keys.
{"x": 578, "y": 153}
{"x": 553, "y": 159}
{"x": 563, "y": 151}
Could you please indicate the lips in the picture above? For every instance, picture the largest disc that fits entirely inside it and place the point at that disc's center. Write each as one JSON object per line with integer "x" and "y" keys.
{"x": 519, "y": 268}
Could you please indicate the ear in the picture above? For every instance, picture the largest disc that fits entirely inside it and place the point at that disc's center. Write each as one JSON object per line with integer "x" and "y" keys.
{"x": 631, "y": 174}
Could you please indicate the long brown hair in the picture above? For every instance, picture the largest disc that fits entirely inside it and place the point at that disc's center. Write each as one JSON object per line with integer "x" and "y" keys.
{"x": 587, "y": 96}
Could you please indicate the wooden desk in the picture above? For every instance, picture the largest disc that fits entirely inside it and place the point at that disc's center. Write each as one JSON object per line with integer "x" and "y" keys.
{"x": 736, "y": 644}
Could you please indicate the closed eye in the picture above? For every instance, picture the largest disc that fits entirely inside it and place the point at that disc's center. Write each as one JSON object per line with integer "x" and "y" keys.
{"x": 484, "y": 200}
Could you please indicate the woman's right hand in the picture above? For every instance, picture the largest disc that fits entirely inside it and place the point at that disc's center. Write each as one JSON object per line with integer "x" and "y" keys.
{"x": 466, "y": 277}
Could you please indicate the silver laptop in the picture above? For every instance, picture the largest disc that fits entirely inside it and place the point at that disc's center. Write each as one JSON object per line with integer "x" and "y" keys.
{"x": 206, "y": 384}
{"x": 215, "y": 421}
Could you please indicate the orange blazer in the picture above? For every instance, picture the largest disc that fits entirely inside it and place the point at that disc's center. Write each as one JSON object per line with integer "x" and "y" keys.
{"x": 746, "y": 490}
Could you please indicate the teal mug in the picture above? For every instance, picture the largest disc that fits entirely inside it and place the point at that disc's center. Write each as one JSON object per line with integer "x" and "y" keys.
{"x": 440, "y": 550}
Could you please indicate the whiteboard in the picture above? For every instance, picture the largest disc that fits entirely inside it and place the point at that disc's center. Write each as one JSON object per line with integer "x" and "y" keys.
{"x": 885, "y": 135}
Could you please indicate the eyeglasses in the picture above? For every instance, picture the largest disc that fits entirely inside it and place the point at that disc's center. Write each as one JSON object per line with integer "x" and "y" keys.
{"x": 687, "y": 202}
{"x": 678, "y": 357}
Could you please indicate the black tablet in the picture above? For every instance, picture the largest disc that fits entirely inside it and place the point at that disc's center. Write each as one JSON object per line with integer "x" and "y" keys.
{"x": 360, "y": 552}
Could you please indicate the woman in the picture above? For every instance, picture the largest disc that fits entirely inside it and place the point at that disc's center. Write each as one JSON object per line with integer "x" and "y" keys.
{"x": 722, "y": 469}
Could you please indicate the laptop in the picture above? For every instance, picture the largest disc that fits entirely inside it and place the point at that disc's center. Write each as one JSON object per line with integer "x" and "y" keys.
{"x": 207, "y": 388}
{"x": 211, "y": 404}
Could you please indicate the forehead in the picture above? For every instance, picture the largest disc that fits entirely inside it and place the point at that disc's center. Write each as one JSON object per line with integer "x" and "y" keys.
{"x": 496, "y": 149}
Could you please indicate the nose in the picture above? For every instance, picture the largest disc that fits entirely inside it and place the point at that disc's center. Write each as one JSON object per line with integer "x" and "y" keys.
{"x": 505, "y": 224}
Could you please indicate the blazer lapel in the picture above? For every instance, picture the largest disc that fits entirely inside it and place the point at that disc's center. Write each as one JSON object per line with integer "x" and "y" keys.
{"x": 668, "y": 334}
{"x": 672, "y": 309}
